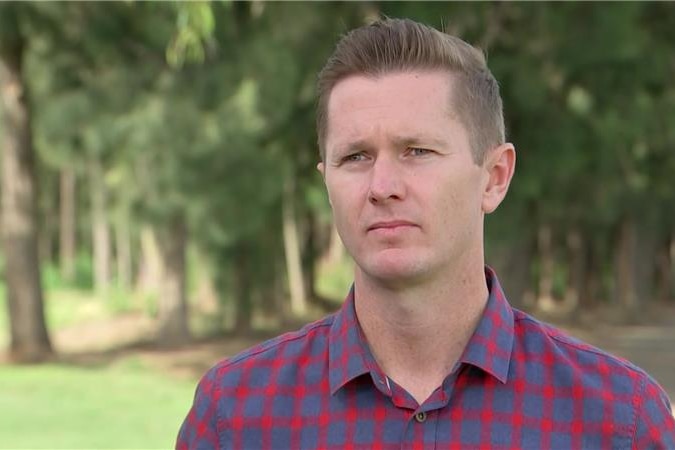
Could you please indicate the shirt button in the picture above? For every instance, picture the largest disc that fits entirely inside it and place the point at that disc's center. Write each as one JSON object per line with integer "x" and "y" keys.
{"x": 421, "y": 417}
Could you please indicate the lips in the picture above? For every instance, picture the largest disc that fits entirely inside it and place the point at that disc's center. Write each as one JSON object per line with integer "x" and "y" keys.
{"x": 390, "y": 225}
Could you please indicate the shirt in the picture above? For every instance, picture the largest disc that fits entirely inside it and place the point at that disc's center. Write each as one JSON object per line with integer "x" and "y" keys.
{"x": 520, "y": 384}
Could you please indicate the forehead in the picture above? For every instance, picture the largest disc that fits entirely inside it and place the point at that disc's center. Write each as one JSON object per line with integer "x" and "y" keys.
{"x": 399, "y": 104}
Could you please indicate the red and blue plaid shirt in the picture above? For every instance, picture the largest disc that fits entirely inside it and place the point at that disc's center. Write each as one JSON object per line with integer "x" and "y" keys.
{"x": 520, "y": 384}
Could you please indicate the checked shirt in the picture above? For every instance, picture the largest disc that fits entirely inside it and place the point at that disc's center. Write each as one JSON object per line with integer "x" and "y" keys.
{"x": 520, "y": 384}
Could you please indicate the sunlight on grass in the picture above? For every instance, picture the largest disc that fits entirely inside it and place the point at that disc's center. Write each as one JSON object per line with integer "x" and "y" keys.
{"x": 59, "y": 407}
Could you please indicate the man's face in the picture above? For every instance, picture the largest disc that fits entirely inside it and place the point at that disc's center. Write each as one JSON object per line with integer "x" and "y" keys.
{"x": 407, "y": 197}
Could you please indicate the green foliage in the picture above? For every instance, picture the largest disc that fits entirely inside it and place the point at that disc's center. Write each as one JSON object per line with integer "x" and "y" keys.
{"x": 52, "y": 279}
{"x": 334, "y": 281}
{"x": 203, "y": 110}
{"x": 194, "y": 27}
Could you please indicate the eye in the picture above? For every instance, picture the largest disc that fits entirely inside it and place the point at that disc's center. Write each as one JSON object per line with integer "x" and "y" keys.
{"x": 415, "y": 151}
{"x": 354, "y": 157}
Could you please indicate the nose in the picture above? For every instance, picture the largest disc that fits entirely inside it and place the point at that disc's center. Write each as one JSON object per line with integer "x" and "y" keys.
{"x": 386, "y": 182}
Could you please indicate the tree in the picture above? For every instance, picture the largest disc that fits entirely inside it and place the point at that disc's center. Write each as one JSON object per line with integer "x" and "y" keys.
{"x": 29, "y": 338}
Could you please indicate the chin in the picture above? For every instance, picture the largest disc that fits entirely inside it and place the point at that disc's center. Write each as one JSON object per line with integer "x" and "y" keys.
{"x": 392, "y": 268}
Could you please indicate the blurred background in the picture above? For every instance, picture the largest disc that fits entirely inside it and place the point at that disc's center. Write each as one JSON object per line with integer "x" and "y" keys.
{"x": 161, "y": 208}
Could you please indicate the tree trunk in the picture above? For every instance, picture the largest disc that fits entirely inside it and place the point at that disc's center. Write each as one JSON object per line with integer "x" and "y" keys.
{"x": 46, "y": 234}
{"x": 513, "y": 263}
{"x": 590, "y": 289}
{"x": 100, "y": 230}
{"x": 29, "y": 340}
{"x": 123, "y": 252}
{"x": 545, "y": 300}
{"x": 309, "y": 256}
{"x": 67, "y": 230}
{"x": 172, "y": 305}
{"x": 292, "y": 251}
{"x": 664, "y": 270}
{"x": 336, "y": 249}
{"x": 149, "y": 276}
{"x": 242, "y": 290}
{"x": 276, "y": 294}
{"x": 576, "y": 263}
{"x": 206, "y": 294}
{"x": 645, "y": 254}
{"x": 625, "y": 282}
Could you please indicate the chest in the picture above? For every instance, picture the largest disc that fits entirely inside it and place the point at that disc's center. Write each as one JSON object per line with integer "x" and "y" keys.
{"x": 486, "y": 416}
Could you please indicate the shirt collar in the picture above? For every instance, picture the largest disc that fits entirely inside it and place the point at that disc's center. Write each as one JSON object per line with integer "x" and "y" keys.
{"x": 488, "y": 349}
{"x": 349, "y": 355}
{"x": 491, "y": 345}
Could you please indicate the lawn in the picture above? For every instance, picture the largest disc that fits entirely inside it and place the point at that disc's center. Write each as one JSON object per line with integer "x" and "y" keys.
{"x": 126, "y": 404}
{"x": 68, "y": 407}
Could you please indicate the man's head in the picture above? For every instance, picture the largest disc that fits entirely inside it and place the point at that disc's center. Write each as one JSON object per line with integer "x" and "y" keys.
{"x": 401, "y": 45}
{"x": 413, "y": 154}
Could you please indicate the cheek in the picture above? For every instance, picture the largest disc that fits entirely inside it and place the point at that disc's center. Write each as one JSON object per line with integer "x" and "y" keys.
{"x": 457, "y": 202}
{"x": 342, "y": 204}
{"x": 345, "y": 194}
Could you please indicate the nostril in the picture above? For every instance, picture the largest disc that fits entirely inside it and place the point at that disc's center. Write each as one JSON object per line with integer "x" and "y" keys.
{"x": 374, "y": 198}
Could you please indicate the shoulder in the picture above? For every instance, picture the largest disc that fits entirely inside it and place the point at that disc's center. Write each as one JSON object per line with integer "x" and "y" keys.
{"x": 553, "y": 347}
{"x": 257, "y": 365}
{"x": 607, "y": 385}
{"x": 236, "y": 387}
{"x": 570, "y": 381}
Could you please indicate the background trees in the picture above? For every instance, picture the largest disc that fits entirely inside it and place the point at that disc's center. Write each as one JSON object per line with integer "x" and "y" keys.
{"x": 175, "y": 155}
{"x": 29, "y": 339}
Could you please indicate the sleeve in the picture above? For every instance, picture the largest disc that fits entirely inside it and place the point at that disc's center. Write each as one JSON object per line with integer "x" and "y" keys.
{"x": 655, "y": 427}
{"x": 199, "y": 430}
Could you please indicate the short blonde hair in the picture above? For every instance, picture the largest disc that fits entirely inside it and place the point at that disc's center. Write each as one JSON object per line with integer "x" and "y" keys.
{"x": 396, "y": 45}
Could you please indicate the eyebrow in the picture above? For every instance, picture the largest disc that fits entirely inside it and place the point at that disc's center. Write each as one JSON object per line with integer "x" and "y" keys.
{"x": 353, "y": 146}
{"x": 398, "y": 141}
{"x": 408, "y": 141}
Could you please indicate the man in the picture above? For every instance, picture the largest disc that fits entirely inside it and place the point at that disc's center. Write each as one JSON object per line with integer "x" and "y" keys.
{"x": 426, "y": 352}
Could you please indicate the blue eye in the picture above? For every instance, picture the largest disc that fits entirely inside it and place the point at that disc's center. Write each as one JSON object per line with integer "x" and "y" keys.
{"x": 354, "y": 157}
{"x": 414, "y": 151}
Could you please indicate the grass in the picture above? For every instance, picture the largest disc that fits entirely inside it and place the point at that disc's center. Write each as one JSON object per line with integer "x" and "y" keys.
{"x": 127, "y": 405}
{"x": 66, "y": 407}
{"x": 57, "y": 406}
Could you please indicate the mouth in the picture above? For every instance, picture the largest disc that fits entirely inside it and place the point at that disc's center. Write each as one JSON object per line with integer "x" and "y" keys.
{"x": 393, "y": 225}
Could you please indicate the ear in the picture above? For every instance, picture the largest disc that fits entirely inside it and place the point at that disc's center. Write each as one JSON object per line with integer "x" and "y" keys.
{"x": 321, "y": 167}
{"x": 499, "y": 165}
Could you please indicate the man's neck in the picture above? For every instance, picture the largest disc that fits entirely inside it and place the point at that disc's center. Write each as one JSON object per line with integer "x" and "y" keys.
{"x": 418, "y": 333}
